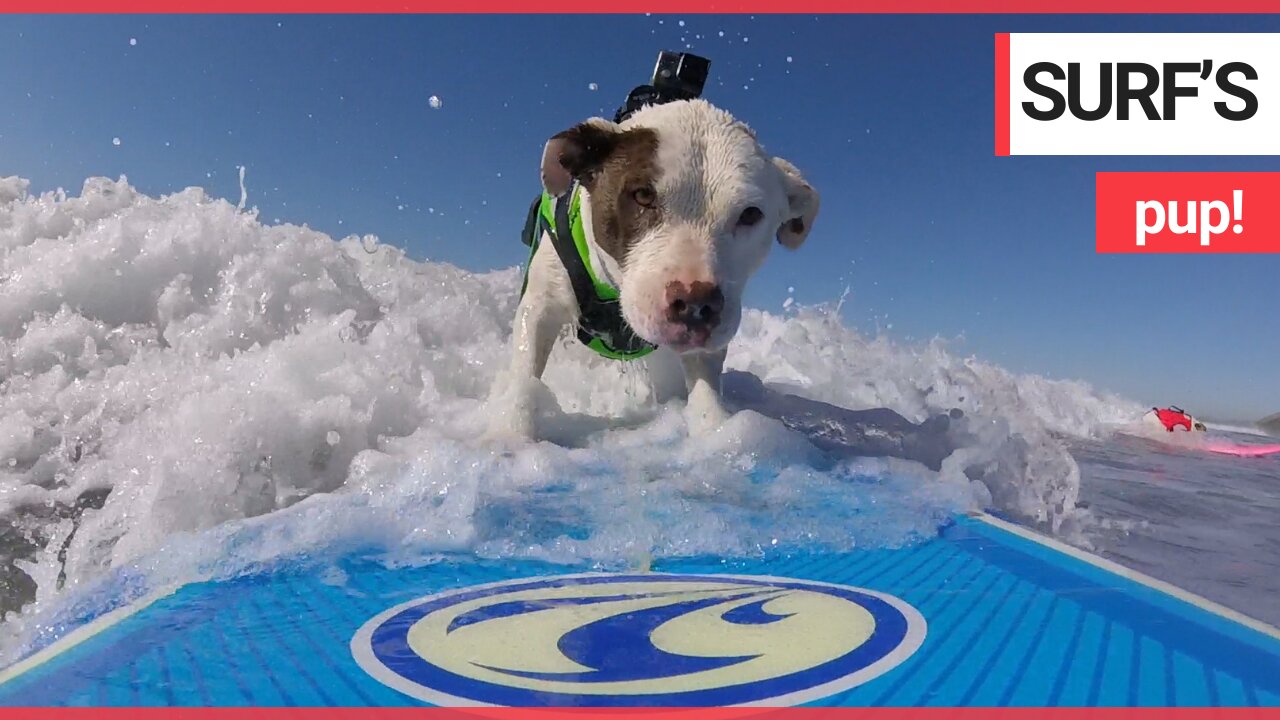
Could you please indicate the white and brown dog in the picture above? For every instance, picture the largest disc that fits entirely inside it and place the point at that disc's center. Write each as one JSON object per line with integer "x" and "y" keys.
{"x": 680, "y": 206}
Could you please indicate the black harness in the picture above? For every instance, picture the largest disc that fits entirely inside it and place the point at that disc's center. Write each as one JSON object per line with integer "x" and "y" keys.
{"x": 601, "y": 325}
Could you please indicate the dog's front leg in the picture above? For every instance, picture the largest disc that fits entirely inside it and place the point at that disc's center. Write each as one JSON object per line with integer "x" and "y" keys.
{"x": 536, "y": 328}
{"x": 515, "y": 404}
{"x": 706, "y": 411}
{"x": 546, "y": 307}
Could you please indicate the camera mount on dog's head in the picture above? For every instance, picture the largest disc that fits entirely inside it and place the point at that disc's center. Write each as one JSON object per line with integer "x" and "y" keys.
{"x": 677, "y": 76}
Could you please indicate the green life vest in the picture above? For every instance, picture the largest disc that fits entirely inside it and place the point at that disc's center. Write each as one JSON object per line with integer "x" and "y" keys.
{"x": 601, "y": 326}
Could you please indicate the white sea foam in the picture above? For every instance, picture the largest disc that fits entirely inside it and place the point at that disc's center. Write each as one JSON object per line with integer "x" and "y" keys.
{"x": 188, "y": 393}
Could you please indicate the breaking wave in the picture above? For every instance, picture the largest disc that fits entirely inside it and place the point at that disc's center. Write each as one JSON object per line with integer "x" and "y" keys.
{"x": 187, "y": 393}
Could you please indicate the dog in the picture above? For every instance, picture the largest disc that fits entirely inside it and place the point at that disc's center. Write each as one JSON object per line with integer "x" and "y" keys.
{"x": 680, "y": 206}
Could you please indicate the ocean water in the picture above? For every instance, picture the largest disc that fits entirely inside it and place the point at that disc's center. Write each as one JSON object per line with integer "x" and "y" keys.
{"x": 1203, "y": 521}
{"x": 187, "y": 393}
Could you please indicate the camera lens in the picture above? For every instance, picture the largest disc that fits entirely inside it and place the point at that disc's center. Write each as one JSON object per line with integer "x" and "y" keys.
{"x": 680, "y": 76}
{"x": 676, "y": 76}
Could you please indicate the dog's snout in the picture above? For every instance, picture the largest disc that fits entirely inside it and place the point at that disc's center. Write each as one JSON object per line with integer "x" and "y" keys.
{"x": 697, "y": 305}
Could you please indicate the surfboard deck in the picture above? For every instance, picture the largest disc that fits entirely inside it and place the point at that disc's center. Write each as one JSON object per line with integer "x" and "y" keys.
{"x": 985, "y": 614}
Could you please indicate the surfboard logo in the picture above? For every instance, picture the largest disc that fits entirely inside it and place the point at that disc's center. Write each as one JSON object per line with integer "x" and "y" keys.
{"x": 638, "y": 640}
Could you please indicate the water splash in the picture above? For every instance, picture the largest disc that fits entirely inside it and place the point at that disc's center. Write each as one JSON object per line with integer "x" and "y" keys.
{"x": 189, "y": 393}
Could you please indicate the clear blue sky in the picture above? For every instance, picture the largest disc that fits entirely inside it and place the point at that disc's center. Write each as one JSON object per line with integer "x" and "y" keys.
{"x": 889, "y": 116}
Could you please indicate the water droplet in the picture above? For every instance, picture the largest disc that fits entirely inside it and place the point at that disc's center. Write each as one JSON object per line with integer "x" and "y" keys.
{"x": 133, "y": 41}
{"x": 332, "y": 437}
{"x": 115, "y": 141}
{"x": 592, "y": 86}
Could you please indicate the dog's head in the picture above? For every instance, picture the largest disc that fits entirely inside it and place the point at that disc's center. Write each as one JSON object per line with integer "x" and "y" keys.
{"x": 685, "y": 204}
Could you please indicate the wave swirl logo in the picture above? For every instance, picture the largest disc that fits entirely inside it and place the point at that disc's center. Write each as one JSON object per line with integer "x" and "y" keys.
{"x": 638, "y": 640}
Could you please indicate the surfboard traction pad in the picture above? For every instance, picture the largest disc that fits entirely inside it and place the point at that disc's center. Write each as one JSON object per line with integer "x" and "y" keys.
{"x": 1011, "y": 621}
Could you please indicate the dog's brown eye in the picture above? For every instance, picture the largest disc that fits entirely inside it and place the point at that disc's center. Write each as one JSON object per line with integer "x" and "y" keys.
{"x": 750, "y": 216}
{"x": 644, "y": 196}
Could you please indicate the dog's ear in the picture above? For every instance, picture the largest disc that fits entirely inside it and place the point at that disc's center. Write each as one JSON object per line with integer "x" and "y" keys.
{"x": 803, "y": 203}
{"x": 577, "y": 153}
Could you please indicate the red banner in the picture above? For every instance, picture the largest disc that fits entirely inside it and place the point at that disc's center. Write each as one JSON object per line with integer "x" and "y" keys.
{"x": 1002, "y": 94}
{"x": 1188, "y": 212}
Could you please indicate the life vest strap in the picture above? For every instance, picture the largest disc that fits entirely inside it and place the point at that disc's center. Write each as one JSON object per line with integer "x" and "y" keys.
{"x": 530, "y": 234}
{"x": 583, "y": 288}
{"x": 600, "y": 323}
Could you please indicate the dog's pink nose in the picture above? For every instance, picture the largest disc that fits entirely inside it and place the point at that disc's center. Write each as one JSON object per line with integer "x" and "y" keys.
{"x": 696, "y": 306}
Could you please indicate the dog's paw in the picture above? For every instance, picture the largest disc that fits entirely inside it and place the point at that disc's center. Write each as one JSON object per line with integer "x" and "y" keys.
{"x": 513, "y": 411}
{"x": 510, "y": 423}
{"x": 705, "y": 412}
{"x": 502, "y": 442}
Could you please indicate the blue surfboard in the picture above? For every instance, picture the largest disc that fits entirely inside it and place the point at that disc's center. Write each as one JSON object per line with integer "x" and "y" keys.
{"x": 986, "y": 613}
